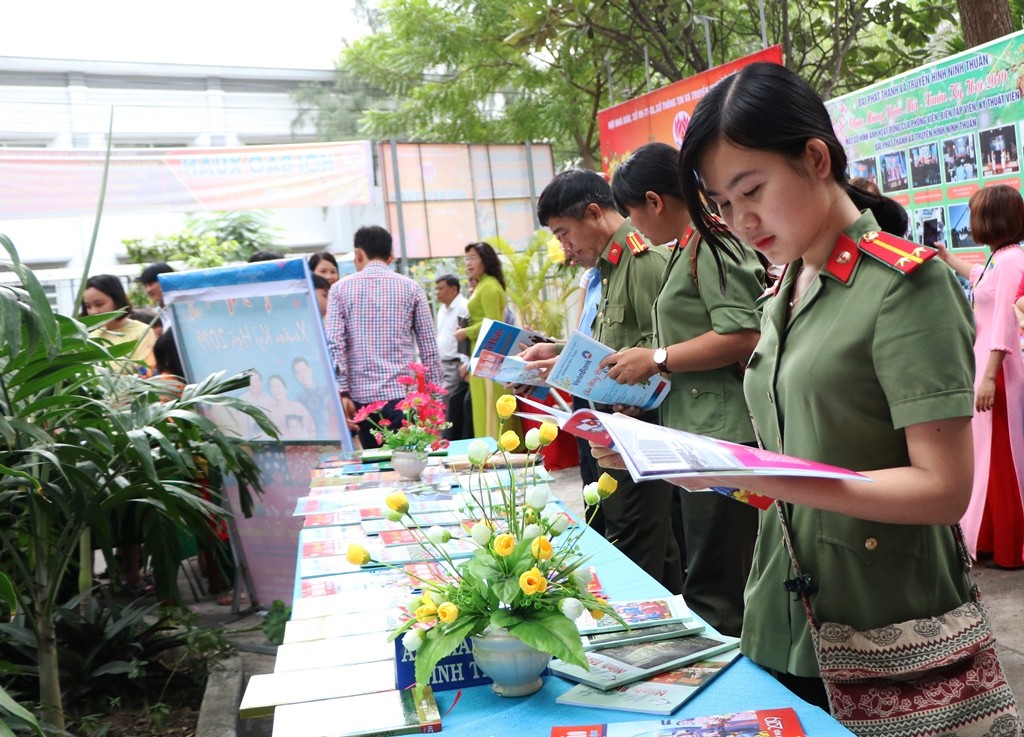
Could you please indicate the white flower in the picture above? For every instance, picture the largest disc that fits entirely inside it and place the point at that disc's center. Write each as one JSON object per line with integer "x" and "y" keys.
{"x": 590, "y": 495}
{"x": 413, "y": 604}
{"x": 571, "y": 607}
{"x": 557, "y": 522}
{"x": 532, "y": 438}
{"x": 438, "y": 535}
{"x": 532, "y": 531}
{"x": 582, "y": 577}
{"x": 537, "y": 496}
{"x": 477, "y": 452}
{"x": 414, "y": 638}
{"x": 481, "y": 533}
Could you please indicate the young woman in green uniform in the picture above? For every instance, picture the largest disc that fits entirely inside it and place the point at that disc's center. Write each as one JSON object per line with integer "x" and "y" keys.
{"x": 703, "y": 335}
{"x": 864, "y": 362}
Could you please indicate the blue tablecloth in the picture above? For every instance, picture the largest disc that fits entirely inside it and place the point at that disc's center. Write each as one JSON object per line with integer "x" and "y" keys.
{"x": 477, "y": 712}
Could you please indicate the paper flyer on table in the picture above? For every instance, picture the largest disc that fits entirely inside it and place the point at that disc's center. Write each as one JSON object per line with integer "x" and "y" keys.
{"x": 577, "y": 372}
{"x": 655, "y": 452}
{"x": 495, "y": 356}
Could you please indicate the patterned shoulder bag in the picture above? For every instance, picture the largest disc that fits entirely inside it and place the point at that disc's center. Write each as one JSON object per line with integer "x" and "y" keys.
{"x": 924, "y": 677}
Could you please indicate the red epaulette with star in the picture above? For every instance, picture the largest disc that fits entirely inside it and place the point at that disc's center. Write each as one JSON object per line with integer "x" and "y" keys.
{"x": 687, "y": 235}
{"x": 898, "y": 253}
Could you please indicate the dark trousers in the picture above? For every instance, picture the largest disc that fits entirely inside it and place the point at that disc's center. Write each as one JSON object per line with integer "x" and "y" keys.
{"x": 459, "y": 412}
{"x": 387, "y": 412}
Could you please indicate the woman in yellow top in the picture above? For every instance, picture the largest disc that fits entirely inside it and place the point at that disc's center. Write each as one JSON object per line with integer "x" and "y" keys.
{"x": 104, "y": 293}
{"x": 488, "y": 300}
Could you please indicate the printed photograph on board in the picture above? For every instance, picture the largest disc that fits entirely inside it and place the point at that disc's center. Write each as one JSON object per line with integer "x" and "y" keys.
{"x": 960, "y": 227}
{"x": 929, "y": 225}
{"x": 924, "y": 165}
{"x": 864, "y": 169}
{"x": 894, "y": 171}
{"x": 960, "y": 159}
{"x": 999, "y": 151}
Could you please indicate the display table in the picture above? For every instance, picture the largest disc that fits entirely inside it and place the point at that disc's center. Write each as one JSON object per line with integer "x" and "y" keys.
{"x": 478, "y": 712}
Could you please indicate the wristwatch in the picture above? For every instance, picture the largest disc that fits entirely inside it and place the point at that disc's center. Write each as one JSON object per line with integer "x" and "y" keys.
{"x": 661, "y": 359}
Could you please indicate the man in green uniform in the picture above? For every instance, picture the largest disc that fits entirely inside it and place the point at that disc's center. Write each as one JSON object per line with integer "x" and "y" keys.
{"x": 578, "y": 208}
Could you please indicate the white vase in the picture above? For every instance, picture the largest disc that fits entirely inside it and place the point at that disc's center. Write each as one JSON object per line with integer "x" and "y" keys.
{"x": 514, "y": 666}
{"x": 409, "y": 463}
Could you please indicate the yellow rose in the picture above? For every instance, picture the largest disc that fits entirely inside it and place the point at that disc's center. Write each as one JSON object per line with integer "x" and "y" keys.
{"x": 541, "y": 548}
{"x": 357, "y": 555}
{"x": 447, "y": 612}
{"x": 548, "y": 432}
{"x": 597, "y": 614}
{"x": 606, "y": 485}
{"x": 427, "y": 612}
{"x": 533, "y": 582}
{"x": 504, "y": 544}
{"x": 397, "y": 502}
{"x": 505, "y": 405}
{"x": 509, "y": 440}
{"x": 556, "y": 254}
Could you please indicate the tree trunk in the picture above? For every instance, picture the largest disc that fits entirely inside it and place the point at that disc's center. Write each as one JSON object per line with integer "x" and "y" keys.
{"x": 51, "y": 706}
{"x": 984, "y": 20}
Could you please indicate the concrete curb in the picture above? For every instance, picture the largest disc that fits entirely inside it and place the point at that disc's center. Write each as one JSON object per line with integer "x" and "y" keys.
{"x": 218, "y": 715}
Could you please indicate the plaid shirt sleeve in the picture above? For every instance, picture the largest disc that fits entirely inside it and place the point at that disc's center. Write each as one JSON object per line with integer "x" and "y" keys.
{"x": 426, "y": 337}
{"x": 334, "y": 326}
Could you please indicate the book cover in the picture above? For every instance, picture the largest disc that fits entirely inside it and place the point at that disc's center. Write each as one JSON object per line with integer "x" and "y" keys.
{"x": 357, "y": 584}
{"x": 642, "y": 634}
{"x": 663, "y": 694}
{"x": 399, "y": 554}
{"x": 775, "y": 722}
{"x": 495, "y": 356}
{"x": 657, "y": 452}
{"x": 377, "y": 714}
{"x": 428, "y": 572}
{"x": 340, "y": 625}
{"x": 368, "y": 647}
{"x": 375, "y": 526}
{"x": 332, "y": 519}
{"x": 415, "y": 507}
{"x": 637, "y": 613}
{"x": 618, "y": 666}
{"x": 577, "y": 371}
{"x": 269, "y": 691}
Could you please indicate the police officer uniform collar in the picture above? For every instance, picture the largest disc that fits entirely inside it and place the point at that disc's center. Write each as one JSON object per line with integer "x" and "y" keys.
{"x": 626, "y": 238}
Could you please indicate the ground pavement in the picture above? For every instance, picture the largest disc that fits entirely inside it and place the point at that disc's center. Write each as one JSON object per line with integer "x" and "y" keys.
{"x": 1002, "y": 593}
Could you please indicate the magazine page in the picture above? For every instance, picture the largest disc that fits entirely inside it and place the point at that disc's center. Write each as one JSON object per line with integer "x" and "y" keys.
{"x": 577, "y": 372}
{"x": 496, "y": 354}
{"x": 778, "y": 722}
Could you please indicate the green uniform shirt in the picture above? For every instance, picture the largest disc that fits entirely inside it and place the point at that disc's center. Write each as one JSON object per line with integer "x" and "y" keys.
{"x": 629, "y": 285}
{"x": 707, "y": 402}
{"x": 860, "y": 359}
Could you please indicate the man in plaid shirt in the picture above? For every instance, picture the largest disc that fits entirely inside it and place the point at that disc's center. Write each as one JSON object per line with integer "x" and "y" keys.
{"x": 376, "y": 321}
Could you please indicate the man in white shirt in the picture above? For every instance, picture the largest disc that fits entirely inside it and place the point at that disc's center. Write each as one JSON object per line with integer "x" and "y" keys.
{"x": 454, "y": 357}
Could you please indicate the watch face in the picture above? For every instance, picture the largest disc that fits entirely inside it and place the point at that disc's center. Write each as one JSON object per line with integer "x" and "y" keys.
{"x": 660, "y": 356}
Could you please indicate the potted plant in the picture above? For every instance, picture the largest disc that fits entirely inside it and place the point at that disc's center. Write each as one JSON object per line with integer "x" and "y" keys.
{"x": 517, "y": 597}
{"x": 419, "y": 431}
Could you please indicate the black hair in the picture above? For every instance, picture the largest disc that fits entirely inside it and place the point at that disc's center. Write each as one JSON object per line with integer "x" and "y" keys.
{"x": 450, "y": 279}
{"x": 264, "y": 256}
{"x": 374, "y": 241}
{"x": 736, "y": 110}
{"x": 492, "y": 264}
{"x": 654, "y": 167}
{"x": 316, "y": 258}
{"x": 570, "y": 193}
{"x": 320, "y": 282}
{"x": 151, "y": 272}
{"x": 111, "y": 286}
{"x": 165, "y": 353}
{"x": 146, "y": 316}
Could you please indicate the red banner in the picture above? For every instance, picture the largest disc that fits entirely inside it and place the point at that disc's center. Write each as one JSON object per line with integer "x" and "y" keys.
{"x": 51, "y": 182}
{"x": 662, "y": 115}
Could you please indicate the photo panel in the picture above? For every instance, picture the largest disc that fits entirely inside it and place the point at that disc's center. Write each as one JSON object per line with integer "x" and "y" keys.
{"x": 1000, "y": 153}
{"x": 929, "y": 225}
{"x": 960, "y": 159}
{"x": 925, "y": 168}
{"x": 960, "y": 227}
{"x": 893, "y": 171}
{"x": 865, "y": 169}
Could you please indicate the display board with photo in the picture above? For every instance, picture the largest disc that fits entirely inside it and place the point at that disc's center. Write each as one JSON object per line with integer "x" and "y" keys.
{"x": 959, "y": 229}
{"x": 893, "y": 167}
{"x": 960, "y": 159}
{"x": 999, "y": 151}
{"x": 925, "y": 170}
{"x": 929, "y": 225}
{"x": 864, "y": 169}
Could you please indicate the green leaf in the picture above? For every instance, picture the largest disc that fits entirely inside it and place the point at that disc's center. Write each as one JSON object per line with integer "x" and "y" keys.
{"x": 508, "y": 590}
{"x": 18, "y": 711}
{"x": 437, "y": 645}
{"x": 552, "y": 632}
{"x": 8, "y": 596}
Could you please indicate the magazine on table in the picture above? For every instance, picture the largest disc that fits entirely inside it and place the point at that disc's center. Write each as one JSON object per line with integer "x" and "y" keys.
{"x": 619, "y": 666}
{"x": 775, "y": 722}
{"x": 663, "y": 694}
{"x": 384, "y": 713}
{"x": 265, "y": 693}
{"x": 577, "y": 372}
{"x": 638, "y": 614}
{"x": 602, "y": 640}
{"x": 656, "y": 452}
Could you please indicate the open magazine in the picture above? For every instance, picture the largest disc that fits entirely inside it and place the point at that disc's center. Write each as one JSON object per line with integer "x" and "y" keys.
{"x": 656, "y": 452}
{"x": 576, "y": 371}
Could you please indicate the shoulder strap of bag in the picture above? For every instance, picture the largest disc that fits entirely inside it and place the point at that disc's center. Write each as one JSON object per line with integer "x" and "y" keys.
{"x": 802, "y": 585}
